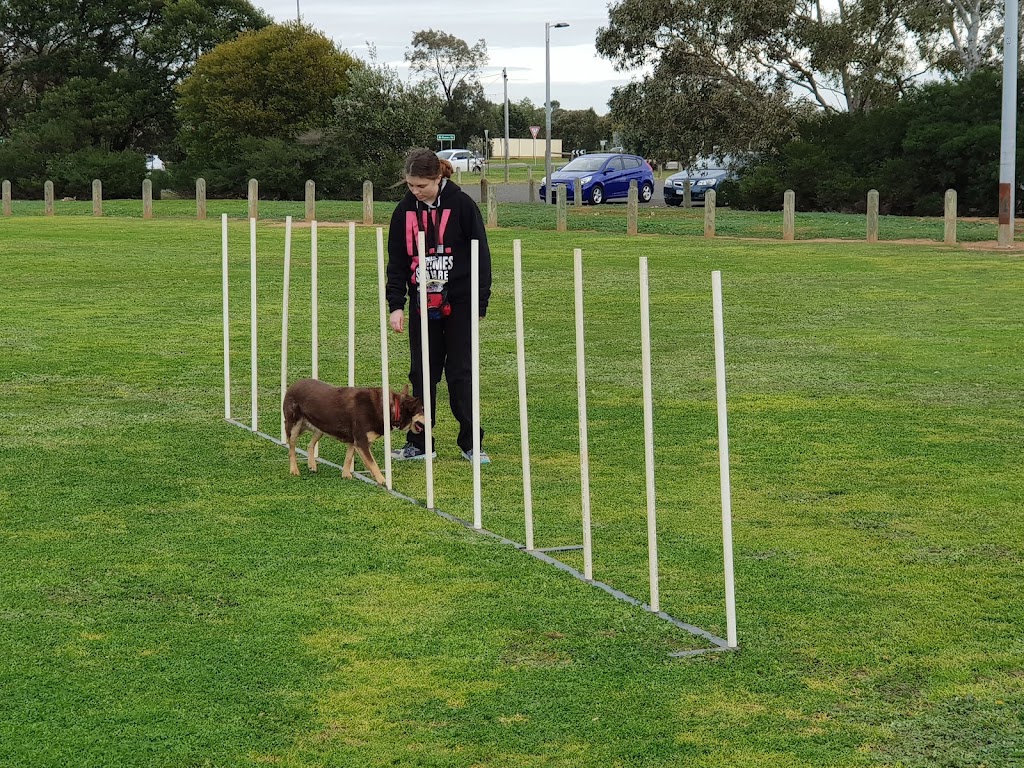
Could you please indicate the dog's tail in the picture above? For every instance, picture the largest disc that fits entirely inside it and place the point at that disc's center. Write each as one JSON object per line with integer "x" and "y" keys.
{"x": 292, "y": 413}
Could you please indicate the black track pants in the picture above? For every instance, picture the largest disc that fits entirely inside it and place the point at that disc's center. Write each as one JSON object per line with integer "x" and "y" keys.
{"x": 448, "y": 343}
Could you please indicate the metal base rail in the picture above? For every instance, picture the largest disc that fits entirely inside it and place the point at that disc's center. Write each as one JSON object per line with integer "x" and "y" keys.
{"x": 540, "y": 554}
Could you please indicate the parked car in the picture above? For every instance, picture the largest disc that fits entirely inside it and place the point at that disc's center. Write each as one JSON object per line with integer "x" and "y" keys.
{"x": 462, "y": 159}
{"x": 700, "y": 182}
{"x": 603, "y": 176}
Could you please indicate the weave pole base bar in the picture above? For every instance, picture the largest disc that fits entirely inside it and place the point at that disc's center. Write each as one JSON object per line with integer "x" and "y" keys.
{"x": 540, "y": 554}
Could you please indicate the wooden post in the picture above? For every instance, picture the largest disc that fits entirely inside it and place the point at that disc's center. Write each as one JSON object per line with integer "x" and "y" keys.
{"x": 577, "y": 192}
{"x": 367, "y": 202}
{"x": 201, "y": 199}
{"x": 560, "y": 200}
{"x": 254, "y": 198}
{"x": 632, "y": 209}
{"x": 492, "y": 210}
{"x": 710, "y": 201}
{"x": 687, "y": 194}
{"x": 97, "y": 197}
{"x": 147, "y": 198}
{"x": 8, "y": 210}
{"x": 873, "y": 216}
{"x": 483, "y": 191}
{"x": 310, "y": 200}
{"x": 48, "y": 198}
{"x": 458, "y": 176}
{"x": 949, "y": 233}
{"x": 789, "y": 215}
{"x": 533, "y": 189}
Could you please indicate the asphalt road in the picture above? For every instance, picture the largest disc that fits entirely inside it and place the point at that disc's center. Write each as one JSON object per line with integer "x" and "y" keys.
{"x": 520, "y": 192}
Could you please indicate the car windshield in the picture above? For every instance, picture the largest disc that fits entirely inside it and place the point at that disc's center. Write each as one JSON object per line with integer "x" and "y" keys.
{"x": 585, "y": 163}
{"x": 445, "y": 154}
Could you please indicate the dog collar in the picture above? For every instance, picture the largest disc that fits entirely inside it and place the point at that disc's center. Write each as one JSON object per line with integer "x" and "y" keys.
{"x": 398, "y": 413}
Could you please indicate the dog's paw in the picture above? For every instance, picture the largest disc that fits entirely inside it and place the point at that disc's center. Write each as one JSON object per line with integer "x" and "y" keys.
{"x": 313, "y": 467}
{"x": 294, "y": 471}
{"x": 346, "y": 475}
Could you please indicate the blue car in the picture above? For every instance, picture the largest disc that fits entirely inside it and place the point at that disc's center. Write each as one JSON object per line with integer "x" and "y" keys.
{"x": 604, "y": 176}
{"x": 700, "y": 183}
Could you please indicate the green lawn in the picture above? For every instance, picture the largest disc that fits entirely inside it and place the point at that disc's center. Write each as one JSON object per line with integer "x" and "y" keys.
{"x": 172, "y": 597}
{"x": 609, "y": 218}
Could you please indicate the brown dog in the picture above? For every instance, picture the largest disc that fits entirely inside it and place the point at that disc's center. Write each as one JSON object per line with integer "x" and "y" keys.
{"x": 350, "y": 414}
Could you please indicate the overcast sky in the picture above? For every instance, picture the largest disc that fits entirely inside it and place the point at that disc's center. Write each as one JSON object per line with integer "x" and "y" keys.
{"x": 513, "y": 30}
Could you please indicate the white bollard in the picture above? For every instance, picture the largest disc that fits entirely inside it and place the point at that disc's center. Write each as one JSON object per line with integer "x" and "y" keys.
{"x": 428, "y": 426}
{"x": 351, "y": 303}
{"x": 474, "y": 335}
{"x": 252, "y": 322}
{"x": 314, "y": 311}
{"x": 723, "y": 459}
{"x": 227, "y": 332}
{"x": 645, "y": 339}
{"x": 385, "y": 384}
{"x": 581, "y": 392}
{"x": 517, "y": 266}
{"x": 284, "y": 316}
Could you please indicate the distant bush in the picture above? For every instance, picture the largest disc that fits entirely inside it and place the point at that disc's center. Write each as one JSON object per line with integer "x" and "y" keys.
{"x": 72, "y": 174}
{"x": 944, "y": 136}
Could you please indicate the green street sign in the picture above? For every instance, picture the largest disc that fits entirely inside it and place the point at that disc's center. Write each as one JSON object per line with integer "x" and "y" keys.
{"x": 446, "y": 137}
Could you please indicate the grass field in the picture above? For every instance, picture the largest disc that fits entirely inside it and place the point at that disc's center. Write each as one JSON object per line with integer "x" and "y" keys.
{"x": 171, "y": 597}
{"x": 606, "y": 218}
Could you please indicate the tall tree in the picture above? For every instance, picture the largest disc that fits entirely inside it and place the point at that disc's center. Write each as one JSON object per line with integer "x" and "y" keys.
{"x": 140, "y": 50}
{"x": 854, "y": 57}
{"x": 454, "y": 67}
{"x": 279, "y": 82}
{"x": 580, "y": 128}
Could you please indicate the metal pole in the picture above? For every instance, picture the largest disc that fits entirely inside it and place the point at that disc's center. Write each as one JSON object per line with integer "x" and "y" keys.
{"x": 284, "y": 316}
{"x": 227, "y": 332}
{"x": 645, "y": 341}
{"x": 581, "y": 394}
{"x": 504, "y": 75}
{"x": 385, "y": 384}
{"x": 351, "y": 303}
{"x": 428, "y": 422}
{"x": 252, "y": 323}
{"x": 547, "y": 113}
{"x": 474, "y": 306}
{"x": 517, "y": 273}
{"x": 1008, "y": 143}
{"x": 723, "y": 459}
{"x": 314, "y": 311}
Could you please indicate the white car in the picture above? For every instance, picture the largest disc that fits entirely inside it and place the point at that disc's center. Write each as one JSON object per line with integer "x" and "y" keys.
{"x": 462, "y": 159}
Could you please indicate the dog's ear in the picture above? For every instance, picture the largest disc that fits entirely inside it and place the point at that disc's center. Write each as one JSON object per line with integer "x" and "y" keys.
{"x": 405, "y": 390}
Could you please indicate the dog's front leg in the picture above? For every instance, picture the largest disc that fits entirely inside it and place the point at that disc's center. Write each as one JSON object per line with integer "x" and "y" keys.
{"x": 311, "y": 450}
{"x": 350, "y": 460}
{"x": 370, "y": 462}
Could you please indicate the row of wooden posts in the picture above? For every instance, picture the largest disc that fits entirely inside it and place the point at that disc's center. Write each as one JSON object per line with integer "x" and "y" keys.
{"x": 490, "y": 203}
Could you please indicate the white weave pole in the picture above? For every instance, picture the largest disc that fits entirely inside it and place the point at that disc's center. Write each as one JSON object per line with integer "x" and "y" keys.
{"x": 385, "y": 384}
{"x": 314, "y": 300}
{"x": 723, "y": 459}
{"x": 284, "y": 316}
{"x": 645, "y": 337}
{"x": 474, "y": 335}
{"x": 227, "y": 332}
{"x": 517, "y": 264}
{"x": 351, "y": 303}
{"x": 314, "y": 311}
{"x": 428, "y": 427}
{"x": 252, "y": 322}
{"x": 581, "y": 393}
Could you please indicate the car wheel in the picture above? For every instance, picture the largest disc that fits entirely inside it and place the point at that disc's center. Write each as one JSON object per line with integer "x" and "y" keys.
{"x": 646, "y": 192}
{"x": 596, "y": 194}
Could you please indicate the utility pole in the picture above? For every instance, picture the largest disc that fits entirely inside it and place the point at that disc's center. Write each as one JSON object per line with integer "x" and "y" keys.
{"x": 1008, "y": 138}
{"x": 504, "y": 75}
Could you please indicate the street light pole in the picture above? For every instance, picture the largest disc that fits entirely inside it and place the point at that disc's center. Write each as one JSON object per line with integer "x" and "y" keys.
{"x": 1008, "y": 139}
{"x": 504, "y": 75}
{"x": 547, "y": 106}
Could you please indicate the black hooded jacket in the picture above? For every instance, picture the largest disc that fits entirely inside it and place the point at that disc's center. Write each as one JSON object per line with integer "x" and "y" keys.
{"x": 456, "y": 221}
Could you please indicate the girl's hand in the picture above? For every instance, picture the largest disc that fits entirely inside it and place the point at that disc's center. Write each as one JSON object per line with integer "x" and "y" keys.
{"x": 397, "y": 320}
